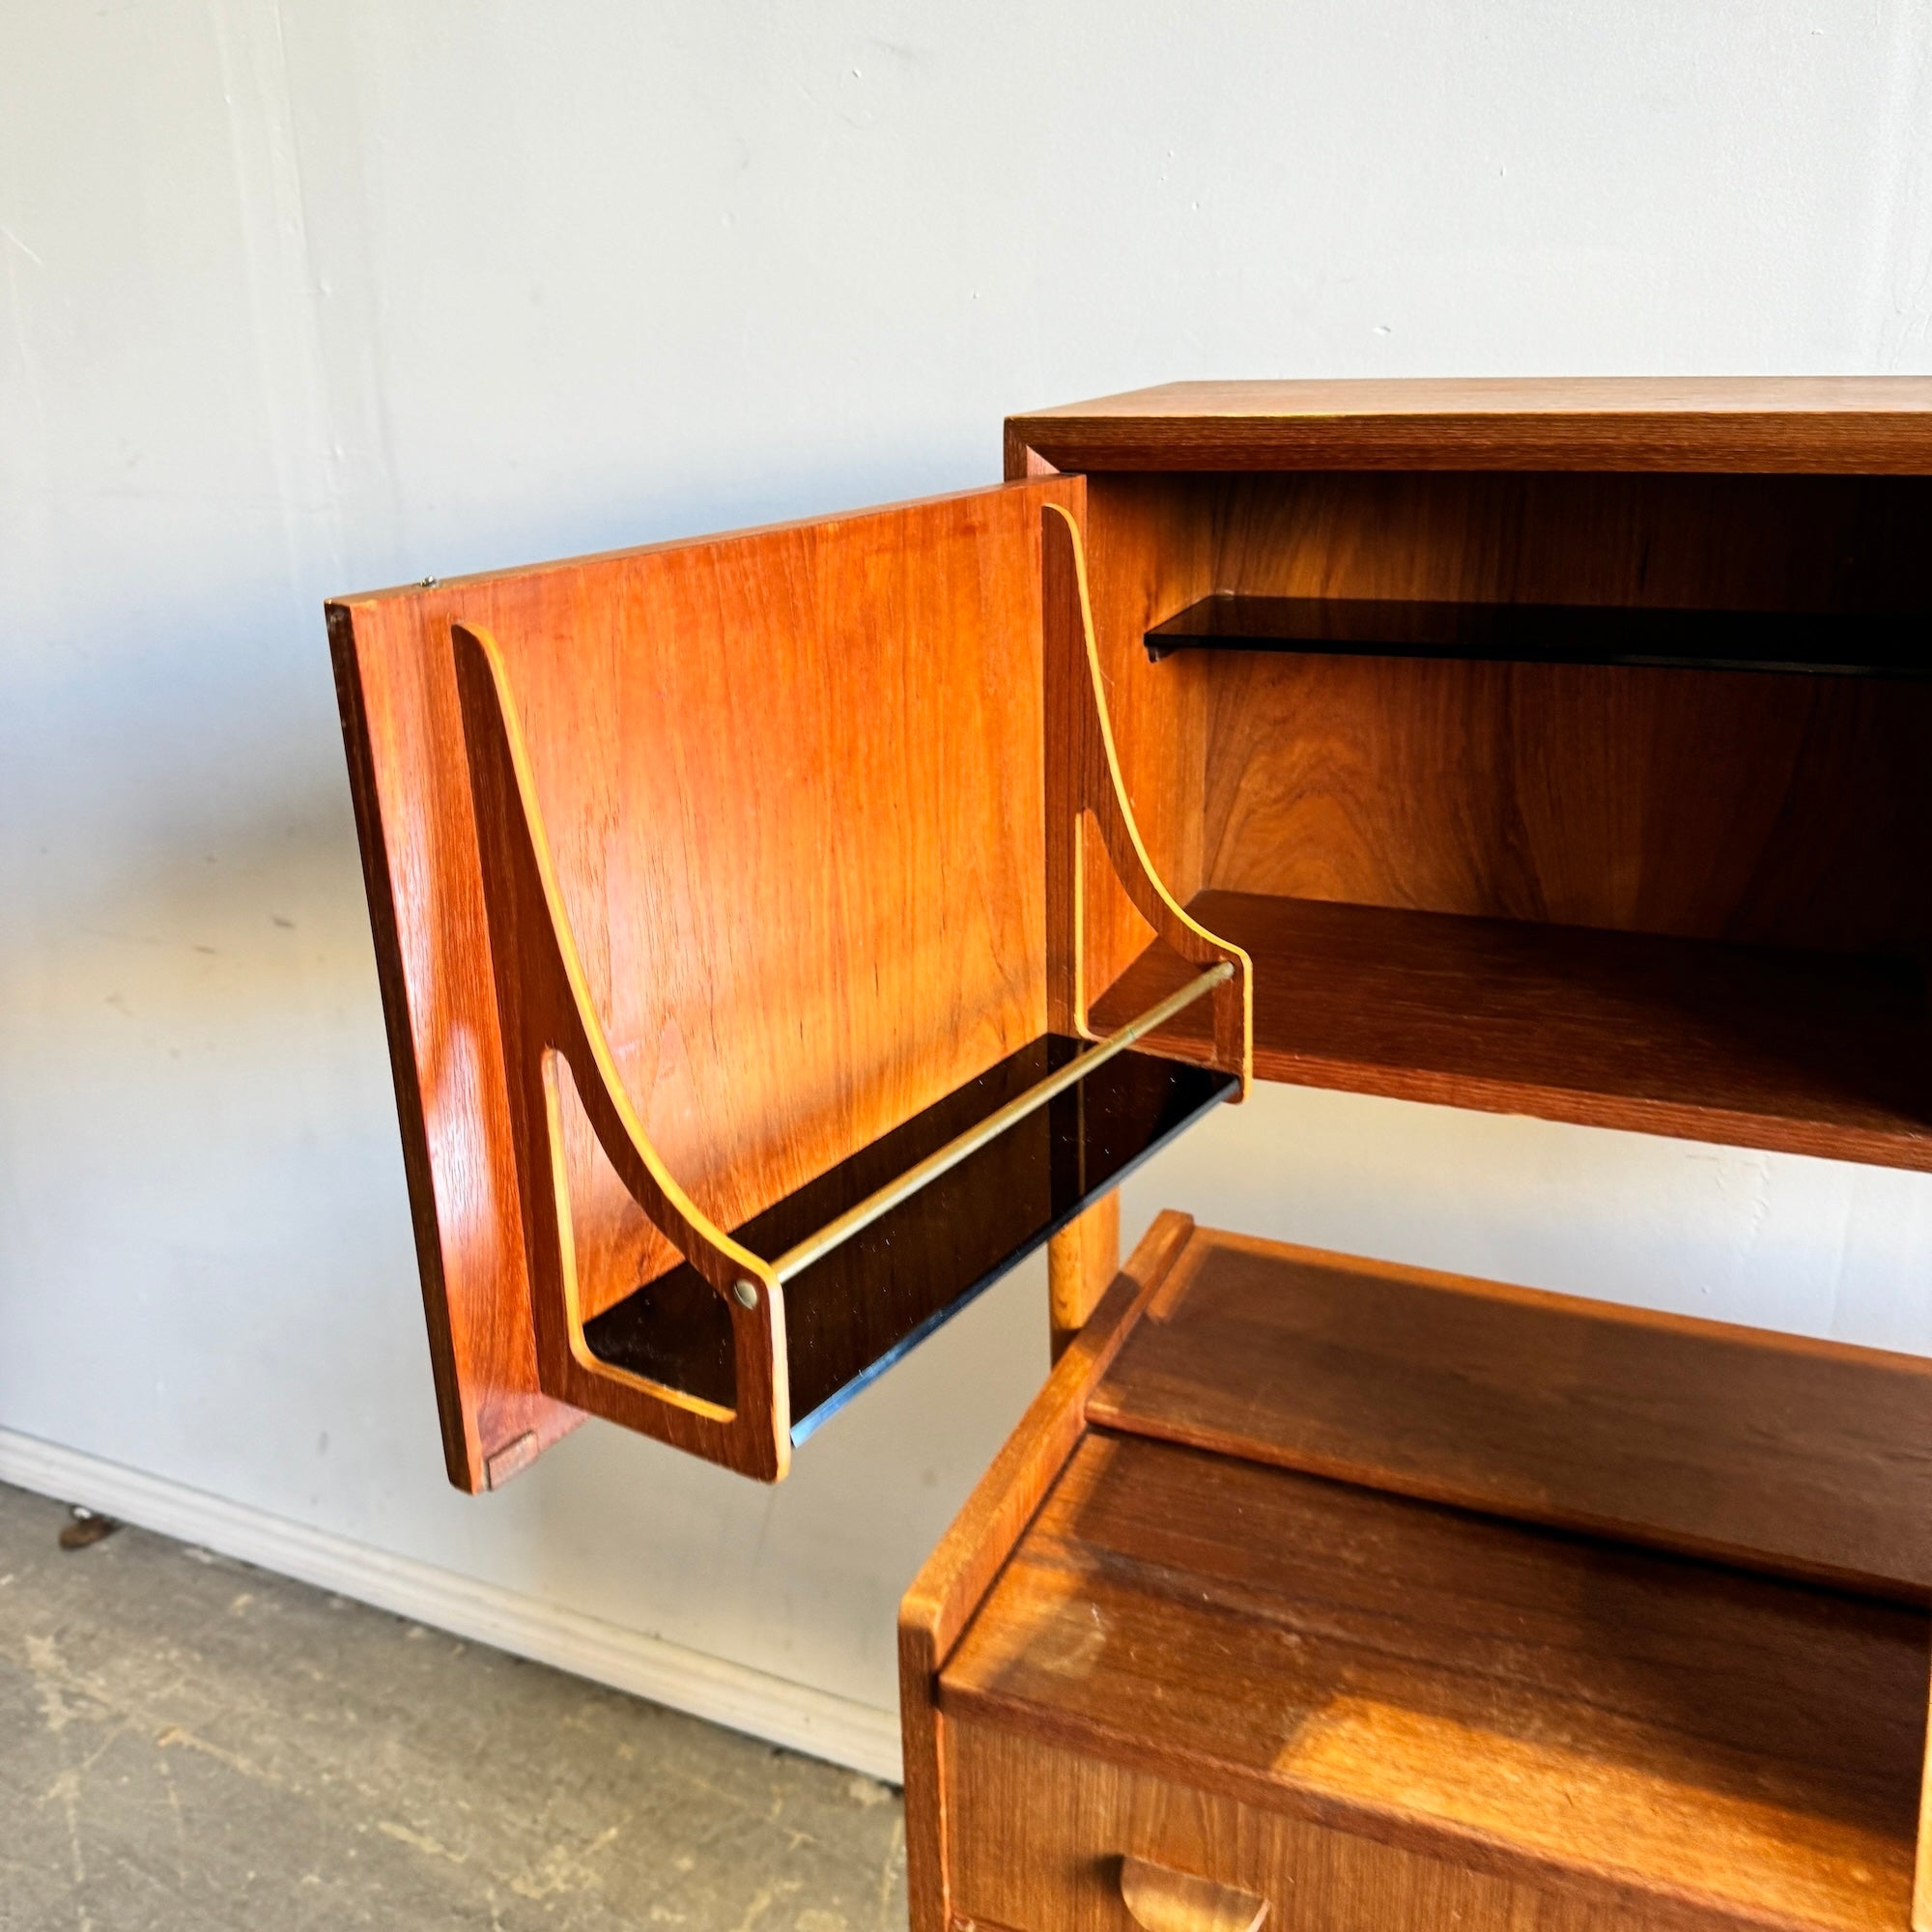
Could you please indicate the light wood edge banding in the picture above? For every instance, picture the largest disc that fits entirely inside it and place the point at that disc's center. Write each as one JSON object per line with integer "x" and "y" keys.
{"x": 548, "y": 1016}
{"x": 935, "y": 1611}
{"x": 1101, "y": 798}
{"x": 1922, "y": 1862}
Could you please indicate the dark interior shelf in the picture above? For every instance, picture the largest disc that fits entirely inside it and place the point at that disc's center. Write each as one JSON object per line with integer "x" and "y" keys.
{"x": 1754, "y": 1047}
{"x": 1896, "y": 644}
{"x": 864, "y": 1306}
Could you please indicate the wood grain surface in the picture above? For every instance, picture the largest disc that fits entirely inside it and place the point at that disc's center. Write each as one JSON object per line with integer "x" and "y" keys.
{"x": 1801, "y": 1053}
{"x": 792, "y": 783}
{"x": 1040, "y": 1832}
{"x": 1711, "y": 804}
{"x": 1787, "y": 812}
{"x": 1808, "y": 1458}
{"x": 1635, "y": 1730}
{"x": 1081, "y": 1263}
{"x": 445, "y": 1045}
{"x": 1089, "y": 817}
{"x": 1796, "y": 809}
{"x": 1865, "y": 424}
{"x": 1148, "y": 551}
{"x": 1795, "y": 812}
{"x": 954, "y": 1579}
{"x": 553, "y": 1044}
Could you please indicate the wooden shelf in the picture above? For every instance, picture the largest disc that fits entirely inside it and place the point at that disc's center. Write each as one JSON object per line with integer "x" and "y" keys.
{"x": 1800, "y": 1457}
{"x": 1895, "y": 644}
{"x": 1218, "y": 1658}
{"x": 1798, "y": 1052}
{"x": 850, "y": 1316}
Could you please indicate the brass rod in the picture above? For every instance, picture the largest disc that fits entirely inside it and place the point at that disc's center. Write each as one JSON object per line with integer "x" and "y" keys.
{"x": 814, "y": 1247}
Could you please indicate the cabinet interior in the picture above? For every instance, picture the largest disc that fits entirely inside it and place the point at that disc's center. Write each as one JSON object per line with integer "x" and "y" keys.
{"x": 1473, "y": 865}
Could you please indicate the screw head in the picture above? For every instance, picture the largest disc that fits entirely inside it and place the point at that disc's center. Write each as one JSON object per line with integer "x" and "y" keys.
{"x": 747, "y": 1293}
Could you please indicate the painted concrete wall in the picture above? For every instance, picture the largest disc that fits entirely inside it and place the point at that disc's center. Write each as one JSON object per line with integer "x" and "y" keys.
{"x": 306, "y": 297}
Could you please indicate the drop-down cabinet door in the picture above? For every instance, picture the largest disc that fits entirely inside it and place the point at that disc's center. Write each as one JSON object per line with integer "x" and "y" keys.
{"x": 710, "y": 885}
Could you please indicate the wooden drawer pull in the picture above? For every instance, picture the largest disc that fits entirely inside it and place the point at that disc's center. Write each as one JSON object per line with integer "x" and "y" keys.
{"x": 1160, "y": 1900}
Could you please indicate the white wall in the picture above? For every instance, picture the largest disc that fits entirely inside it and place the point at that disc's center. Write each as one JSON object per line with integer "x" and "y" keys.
{"x": 306, "y": 297}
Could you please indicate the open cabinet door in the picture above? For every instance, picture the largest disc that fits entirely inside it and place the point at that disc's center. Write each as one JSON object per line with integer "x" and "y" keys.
{"x": 709, "y": 892}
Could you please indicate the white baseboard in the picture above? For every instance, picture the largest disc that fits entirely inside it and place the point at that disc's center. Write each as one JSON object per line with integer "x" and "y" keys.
{"x": 781, "y": 1713}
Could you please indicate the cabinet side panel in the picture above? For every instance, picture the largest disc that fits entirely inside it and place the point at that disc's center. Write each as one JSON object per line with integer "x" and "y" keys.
{"x": 950, "y": 1585}
{"x": 426, "y": 914}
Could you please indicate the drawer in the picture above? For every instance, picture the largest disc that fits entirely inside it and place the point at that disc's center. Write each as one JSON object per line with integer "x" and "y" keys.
{"x": 1037, "y": 1836}
{"x": 1371, "y": 1710}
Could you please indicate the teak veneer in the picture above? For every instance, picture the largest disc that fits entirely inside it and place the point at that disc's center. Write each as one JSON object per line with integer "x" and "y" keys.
{"x": 782, "y": 932}
{"x": 1809, "y": 1459}
{"x": 1155, "y": 1636}
{"x": 1866, "y": 425}
{"x": 1817, "y": 1053}
{"x": 818, "y": 826}
{"x": 672, "y": 946}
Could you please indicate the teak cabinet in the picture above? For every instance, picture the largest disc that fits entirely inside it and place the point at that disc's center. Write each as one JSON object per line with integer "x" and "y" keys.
{"x": 782, "y": 932}
{"x": 1208, "y": 1647}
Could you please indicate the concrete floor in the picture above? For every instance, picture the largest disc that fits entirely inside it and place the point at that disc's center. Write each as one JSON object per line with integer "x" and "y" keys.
{"x": 188, "y": 1745}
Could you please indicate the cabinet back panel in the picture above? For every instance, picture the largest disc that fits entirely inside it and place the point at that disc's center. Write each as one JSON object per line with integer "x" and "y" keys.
{"x": 1789, "y": 809}
{"x": 1782, "y": 810}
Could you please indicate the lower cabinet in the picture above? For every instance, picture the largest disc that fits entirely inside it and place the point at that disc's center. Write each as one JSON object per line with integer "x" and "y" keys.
{"x": 1190, "y": 1686}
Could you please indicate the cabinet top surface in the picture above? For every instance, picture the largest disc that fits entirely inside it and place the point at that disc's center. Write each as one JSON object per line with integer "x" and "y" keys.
{"x": 1877, "y": 425}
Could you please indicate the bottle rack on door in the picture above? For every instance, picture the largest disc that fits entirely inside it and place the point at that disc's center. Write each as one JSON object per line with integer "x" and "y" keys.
{"x": 727, "y": 896}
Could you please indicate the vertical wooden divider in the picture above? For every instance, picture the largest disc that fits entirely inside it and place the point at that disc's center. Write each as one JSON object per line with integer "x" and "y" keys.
{"x": 1085, "y": 788}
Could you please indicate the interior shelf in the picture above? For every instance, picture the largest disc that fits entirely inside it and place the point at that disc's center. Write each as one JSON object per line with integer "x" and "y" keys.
{"x": 1755, "y": 1046}
{"x": 852, "y": 1314}
{"x": 1892, "y": 646}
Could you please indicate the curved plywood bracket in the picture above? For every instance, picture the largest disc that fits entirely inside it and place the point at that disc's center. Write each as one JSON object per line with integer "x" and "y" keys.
{"x": 1086, "y": 795}
{"x": 550, "y": 1025}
